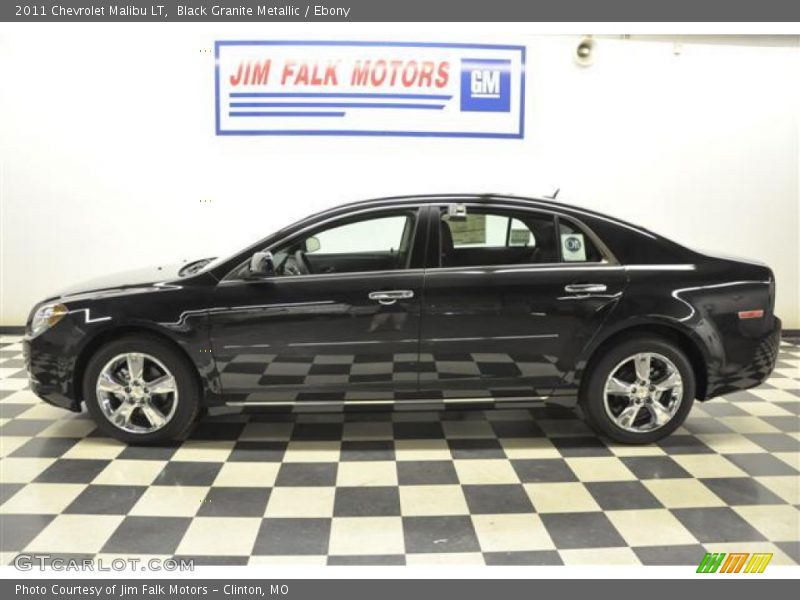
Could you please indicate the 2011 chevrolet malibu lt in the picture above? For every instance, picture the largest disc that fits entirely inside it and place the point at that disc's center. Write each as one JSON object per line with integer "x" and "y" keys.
{"x": 424, "y": 302}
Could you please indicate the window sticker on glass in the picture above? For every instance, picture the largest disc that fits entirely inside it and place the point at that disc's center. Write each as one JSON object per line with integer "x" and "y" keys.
{"x": 519, "y": 237}
{"x": 573, "y": 247}
{"x": 469, "y": 231}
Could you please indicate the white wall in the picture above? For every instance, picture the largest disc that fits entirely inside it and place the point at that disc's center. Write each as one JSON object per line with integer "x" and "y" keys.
{"x": 107, "y": 146}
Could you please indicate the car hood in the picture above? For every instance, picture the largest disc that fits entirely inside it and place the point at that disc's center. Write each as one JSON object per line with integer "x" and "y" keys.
{"x": 144, "y": 277}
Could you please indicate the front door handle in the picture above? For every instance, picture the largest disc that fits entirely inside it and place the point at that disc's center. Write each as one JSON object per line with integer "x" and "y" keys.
{"x": 391, "y": 296}
{"x": 585, "y": 288}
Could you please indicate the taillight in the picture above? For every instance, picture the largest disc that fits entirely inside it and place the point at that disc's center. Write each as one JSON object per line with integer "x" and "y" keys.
{"x": 751, "y": 314}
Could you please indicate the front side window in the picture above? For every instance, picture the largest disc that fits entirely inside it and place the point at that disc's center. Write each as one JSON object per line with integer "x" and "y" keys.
{"x": 384, "y": 234}
{"x": 377, "y": 243}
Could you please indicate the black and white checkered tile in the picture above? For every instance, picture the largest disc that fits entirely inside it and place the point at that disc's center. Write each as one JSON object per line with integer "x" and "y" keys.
{"x": 312, "y": 372}
{"x": 532, "y": 486}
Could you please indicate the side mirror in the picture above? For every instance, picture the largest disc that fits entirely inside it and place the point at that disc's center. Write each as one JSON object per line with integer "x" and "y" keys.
{"x": 262, "y": 264}
{"x": 312, "y": 245}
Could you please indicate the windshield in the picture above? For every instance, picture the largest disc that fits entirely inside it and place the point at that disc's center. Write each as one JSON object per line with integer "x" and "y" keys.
{"x": 211, "y": 263}
{"x": 194, "y": 267}
{"x": 226, "y": 256}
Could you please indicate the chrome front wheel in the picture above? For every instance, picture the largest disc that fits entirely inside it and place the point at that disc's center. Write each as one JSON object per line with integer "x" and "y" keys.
{"x": 137, "y": 393}
{"x": 643, "y": 392}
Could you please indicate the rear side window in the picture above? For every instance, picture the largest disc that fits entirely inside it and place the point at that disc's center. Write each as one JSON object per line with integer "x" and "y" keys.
{"x": 486, "y": 237}
{"x": 490, "y": 231}
{"x": 575, "y": 245}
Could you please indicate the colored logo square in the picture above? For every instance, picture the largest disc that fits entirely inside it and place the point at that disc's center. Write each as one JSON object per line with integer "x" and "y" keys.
{"x": 485, "y": 85}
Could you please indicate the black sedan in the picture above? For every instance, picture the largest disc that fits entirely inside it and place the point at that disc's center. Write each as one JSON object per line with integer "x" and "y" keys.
{"x": 419, "y": 302}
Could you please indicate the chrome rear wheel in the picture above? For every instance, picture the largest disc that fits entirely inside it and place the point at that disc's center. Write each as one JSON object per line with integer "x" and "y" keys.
{"x": 643, "y": 392}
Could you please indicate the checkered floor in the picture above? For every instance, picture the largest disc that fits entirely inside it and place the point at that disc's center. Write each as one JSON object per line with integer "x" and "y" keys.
{"x": 497, "y": 487}
{"x": 308, "y": 372}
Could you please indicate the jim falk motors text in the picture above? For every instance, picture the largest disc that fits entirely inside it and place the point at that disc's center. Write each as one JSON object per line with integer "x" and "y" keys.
{"x": 371, "y": 72}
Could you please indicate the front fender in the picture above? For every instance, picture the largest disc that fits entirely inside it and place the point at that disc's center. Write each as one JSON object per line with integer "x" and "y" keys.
{"x": 188, "y": 333}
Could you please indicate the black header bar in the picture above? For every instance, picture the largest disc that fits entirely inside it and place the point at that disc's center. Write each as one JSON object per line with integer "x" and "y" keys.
{"x": 191, "y": 588}
{"x": 403, "y": 10}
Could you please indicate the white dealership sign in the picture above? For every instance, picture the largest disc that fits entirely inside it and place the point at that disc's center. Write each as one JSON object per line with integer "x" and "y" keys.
{"x": 369, "y": 88}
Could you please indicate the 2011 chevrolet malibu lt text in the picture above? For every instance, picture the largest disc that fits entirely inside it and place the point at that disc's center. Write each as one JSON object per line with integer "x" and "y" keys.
{"x": 424, "y": 302}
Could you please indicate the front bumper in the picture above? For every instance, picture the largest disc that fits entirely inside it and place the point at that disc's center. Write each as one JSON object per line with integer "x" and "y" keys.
{"x": 48, "y": 374}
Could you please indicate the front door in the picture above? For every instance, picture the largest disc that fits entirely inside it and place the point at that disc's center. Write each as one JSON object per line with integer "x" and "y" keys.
{"x": 507, "y": 309}
{"x": 338, "y": 321}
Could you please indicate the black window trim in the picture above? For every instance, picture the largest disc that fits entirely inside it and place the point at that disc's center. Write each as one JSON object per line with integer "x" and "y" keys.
{"x": 419, "y": 222}
{"x": 429, "y": 213}
{"x": 609, "y": 260}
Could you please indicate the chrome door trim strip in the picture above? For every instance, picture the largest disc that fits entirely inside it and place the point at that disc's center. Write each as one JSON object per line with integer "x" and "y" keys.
{"x": 246, "y": 346}
{"x": 509, "y": 268}
{"x": 665, "y": 267}
{"x": 353, "y": 274}
{"x": 527, "y": 267}
{"x": 492, "y": 338}
{"x": 389, "y": 402}
{"x": 360, "y": 342}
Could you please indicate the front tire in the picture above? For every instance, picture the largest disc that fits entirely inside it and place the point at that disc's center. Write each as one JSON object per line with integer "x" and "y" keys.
{"x": 639, "y": 391}
{"x": 141, "y": 390}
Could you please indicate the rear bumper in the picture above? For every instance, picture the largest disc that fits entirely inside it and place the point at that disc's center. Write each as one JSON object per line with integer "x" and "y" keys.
{"x": 749, "y": 361}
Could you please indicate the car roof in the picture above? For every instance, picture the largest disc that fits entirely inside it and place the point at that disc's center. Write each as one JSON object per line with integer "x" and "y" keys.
{"x": 432, "y": 198}
{"x": 537, "y": 202}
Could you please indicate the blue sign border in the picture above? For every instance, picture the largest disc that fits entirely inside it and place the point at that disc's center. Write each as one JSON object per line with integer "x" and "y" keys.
{"x": 349, "y": 132}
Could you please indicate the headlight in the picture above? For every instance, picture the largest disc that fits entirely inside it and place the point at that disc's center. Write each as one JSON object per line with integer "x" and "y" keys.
{"x": 47, "y": 316}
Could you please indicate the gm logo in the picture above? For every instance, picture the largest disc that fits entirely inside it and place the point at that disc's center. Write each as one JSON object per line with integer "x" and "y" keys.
{"x": 485, "y": 85}
{"x": 573, "y": 244}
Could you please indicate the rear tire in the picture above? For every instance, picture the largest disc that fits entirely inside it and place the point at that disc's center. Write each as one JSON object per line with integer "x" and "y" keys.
{"x": 141, "y": 390}
{"x": 620, "y": 402}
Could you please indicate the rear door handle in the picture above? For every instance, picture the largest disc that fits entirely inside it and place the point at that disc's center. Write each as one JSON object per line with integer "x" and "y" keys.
{"x": 585, "y": 288}
{"x": 391, "y": 296}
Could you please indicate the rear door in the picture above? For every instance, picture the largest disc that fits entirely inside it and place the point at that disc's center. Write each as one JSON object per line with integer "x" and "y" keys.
{"x": 510, "y": 298}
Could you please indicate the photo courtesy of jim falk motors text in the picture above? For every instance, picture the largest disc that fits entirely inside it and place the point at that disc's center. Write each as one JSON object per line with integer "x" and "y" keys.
{"x": 127, "y": 590}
